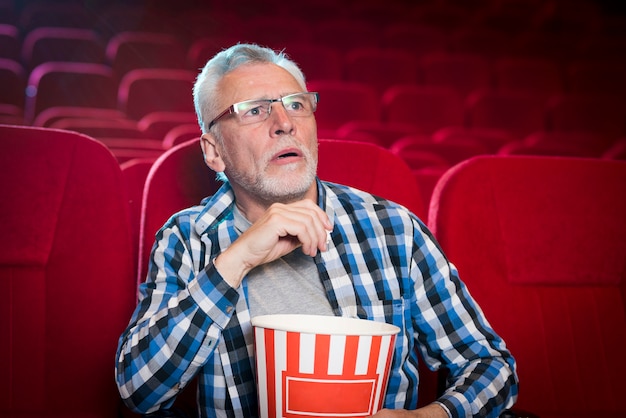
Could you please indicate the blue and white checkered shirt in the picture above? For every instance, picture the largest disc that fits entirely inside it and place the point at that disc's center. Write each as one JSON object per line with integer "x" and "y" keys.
{"x": 382, "y": 264}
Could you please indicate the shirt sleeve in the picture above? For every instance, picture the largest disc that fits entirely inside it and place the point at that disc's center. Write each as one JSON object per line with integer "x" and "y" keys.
{"x": 454, "y": 333}
{"x": 176, "y": 326}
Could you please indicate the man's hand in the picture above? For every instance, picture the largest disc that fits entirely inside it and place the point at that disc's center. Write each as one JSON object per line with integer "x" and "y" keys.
{"x": 281, "y": 229}
{"x": 429, "y": 411}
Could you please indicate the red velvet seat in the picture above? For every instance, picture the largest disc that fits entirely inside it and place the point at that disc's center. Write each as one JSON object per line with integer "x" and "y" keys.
{"x": 181, "y": 133}
{"x": 519, "y": 113}
{"x": 486, "y": 42}
{"x": 464, "y": 72}
{"x": 55, "y": 84}
{"x": 343, "y": 101}
{"x": 530, "y": 75}
{"x": 539, "y": 241}
{"x": 308, "y": 56}
{"x": 420, "y": 40}
{"x": 617, "y": 151}
{"x": 203, "y": 49}
{"x": 429, "y": 108}
{"x": 599, "y": 113}
{"x": 580, "y": 143}
{"x": 12, "y": 83}
{"x": 62, "y": 44}
{"x": 134, "y": 174}
{"x": 256, "y": 31}
{"x": 158, "y": 124}
{"x": 345, "y": 33}
{"x": 371, "y": 168}
{"x": 380, "y": 67}
{"x": 491, "y": 138}
{"x": 180, "y": 179}
{"x": 453, "y": 150}
{"x": 597, "y": 76}
{"x": 10, "y": 42}
{"x": 127, "y": 51}
{"x": 100, "y": 128}
{"x": 148, "y": 90}
{"x": 66, "y": 270}
{"x": 380, "y": 133}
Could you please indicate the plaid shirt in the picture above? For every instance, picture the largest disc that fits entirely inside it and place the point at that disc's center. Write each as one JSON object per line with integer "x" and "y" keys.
{"x": 382, "y": 264}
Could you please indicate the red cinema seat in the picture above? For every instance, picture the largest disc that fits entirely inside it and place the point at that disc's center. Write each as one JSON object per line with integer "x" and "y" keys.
{"x": 343, "y": 101}
{"x": 539, "y": 241}
{"x": 380, "y": 133}
{"x": 429, "y": 108}
{"x": 10, "y": 42}
{"x": 419, "y": 39}
{"x": 134, "y": 173}
{"x": 69, "y": 84}
{"x": 597, "y": 76}
{"x": 465, "y": 72}
{"x": 492, "y": 138}
{"x": 131, "y": 50}
{"x": 453, "y": 150}
{"x": 180, "y": 179}
{"x": 308, "y": 56}
{"x": 371, "y": 168}
{"x": 519, "y": 113}
{"x": 599, "y": 113}
{"x": 528, "y": 75}
{"x": 66, "y": 270}
{"x": 12, "y": 83}
{"x": 62, "y": 44}
{"x": 380, "y": 67}
{"x": 149, "y": 90}
{"x": 345, "y": 33}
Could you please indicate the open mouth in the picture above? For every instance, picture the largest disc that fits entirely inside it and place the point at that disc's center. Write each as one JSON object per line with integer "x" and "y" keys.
{"x": 287, "y": 155}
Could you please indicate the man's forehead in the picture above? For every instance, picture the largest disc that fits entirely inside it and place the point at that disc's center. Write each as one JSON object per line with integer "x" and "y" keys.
{"x": 255, "y": 81}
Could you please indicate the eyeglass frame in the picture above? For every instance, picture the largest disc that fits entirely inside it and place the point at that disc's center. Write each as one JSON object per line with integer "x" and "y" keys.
{"x": 233, "y": 109}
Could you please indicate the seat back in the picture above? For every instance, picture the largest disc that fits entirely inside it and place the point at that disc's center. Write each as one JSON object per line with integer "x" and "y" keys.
{"x": 539, "y": 241}
{"x": 178, "y": 179}
{"x": 342, "y": 102}
{"x": 380, "y": 67}
{"x": 66, "y": 273}
{"x": 427, "y": 107}
{"x": 148, "y": 90}
{"x": 50, "y": 84}
{"x": 371, "y": 168}
{"x": 519, "y": 113}
{"x": 61, "y": 44}
{"x": 130, "y": 50}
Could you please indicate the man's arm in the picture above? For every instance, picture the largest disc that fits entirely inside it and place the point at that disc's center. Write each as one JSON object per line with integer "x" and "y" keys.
{"x": 456, "y": 335}
{"x": 176, "y": 325}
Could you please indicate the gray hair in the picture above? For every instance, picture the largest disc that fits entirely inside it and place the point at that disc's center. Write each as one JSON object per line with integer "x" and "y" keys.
{"x": 205, "y": 88}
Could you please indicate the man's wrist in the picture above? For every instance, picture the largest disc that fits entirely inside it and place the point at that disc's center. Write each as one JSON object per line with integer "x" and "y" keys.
{"x": 230, "y": 267}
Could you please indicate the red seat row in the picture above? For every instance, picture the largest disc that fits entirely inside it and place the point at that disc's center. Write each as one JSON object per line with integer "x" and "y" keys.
{"x": 554, "y": 292}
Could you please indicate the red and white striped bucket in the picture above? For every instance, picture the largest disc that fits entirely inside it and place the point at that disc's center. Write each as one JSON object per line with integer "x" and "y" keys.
{"x": 321, "y": 366}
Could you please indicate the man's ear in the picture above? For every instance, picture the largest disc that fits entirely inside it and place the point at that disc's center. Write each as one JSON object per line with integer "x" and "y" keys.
{"x": 212, "y": 156}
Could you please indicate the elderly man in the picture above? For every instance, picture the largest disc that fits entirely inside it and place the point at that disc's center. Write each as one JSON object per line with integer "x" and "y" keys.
{"x": 276, "y": 239}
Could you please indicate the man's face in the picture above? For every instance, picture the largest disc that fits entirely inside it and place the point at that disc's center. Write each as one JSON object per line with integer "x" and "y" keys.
{"x": 272, "y": 160}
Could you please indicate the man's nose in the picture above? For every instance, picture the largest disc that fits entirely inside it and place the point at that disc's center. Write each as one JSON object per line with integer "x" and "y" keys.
{"x": 280, "y": 119}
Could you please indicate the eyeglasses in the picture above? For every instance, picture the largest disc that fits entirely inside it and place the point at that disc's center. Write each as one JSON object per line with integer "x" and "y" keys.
{"x": 253, "y": 111}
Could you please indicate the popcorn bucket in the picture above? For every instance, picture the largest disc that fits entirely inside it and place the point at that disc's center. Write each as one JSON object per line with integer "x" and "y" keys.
{"x": 321, "y": 366}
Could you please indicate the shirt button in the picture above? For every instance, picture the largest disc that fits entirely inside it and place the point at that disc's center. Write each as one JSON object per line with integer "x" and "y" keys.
{"x": 229, "y": 309}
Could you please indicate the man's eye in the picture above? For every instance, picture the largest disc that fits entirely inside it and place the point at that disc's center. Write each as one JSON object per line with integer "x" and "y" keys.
{"x": 254, "y": 112}
{"x": 295, "y": 106}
